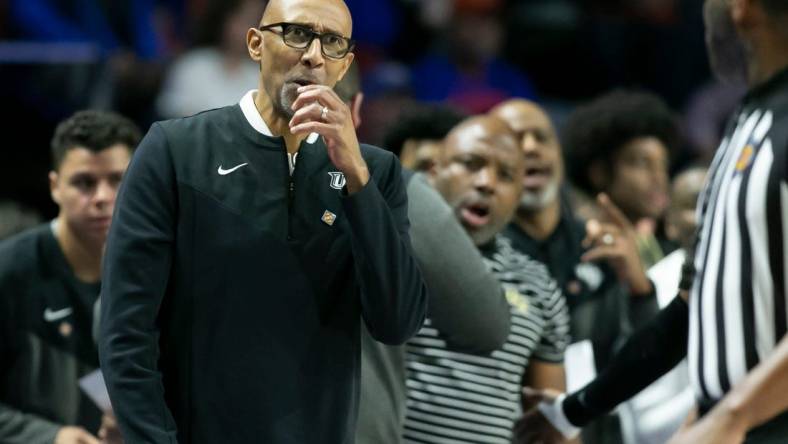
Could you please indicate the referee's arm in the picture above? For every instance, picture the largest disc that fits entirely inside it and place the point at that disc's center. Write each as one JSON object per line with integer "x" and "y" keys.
{"x": 758, "y": 398}
{"x": 647, "y": 355}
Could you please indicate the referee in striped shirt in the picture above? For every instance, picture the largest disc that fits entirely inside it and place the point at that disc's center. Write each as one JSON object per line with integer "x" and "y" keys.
{"x": 735, "y": 323}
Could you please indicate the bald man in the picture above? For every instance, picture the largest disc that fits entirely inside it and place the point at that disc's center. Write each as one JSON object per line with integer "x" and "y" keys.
{"x": 476, "y": 398}
{"x": 545, "y": 228}
{"x": 249, "y": 244}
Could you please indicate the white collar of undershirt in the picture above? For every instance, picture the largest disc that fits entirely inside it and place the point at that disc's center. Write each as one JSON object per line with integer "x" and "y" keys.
{"x": 256, "y": 120}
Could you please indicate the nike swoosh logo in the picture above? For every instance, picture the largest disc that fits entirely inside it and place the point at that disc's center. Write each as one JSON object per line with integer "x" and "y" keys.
{"x": 52, "y": 316}
{"x": 223, "y": 172}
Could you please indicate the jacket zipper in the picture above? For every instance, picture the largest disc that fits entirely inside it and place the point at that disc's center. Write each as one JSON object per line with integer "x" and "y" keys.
{"x": 290, "y": 199}
{"x": 290, "y": 196}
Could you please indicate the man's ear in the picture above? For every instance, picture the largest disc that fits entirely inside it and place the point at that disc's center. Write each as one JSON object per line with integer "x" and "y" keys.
{"x": 434, "y": 167}
{"x": 254, "y": 44}
{"x": 347, "y": 61}
{"x": 355, "y": 108}
{"x": 54, "y": 189}
{"x": 432, "y": 173}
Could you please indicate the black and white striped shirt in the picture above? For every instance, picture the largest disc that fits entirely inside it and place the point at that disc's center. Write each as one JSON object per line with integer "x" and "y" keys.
{"x": 738, "y": 298}
{"x": 456, "y": 397}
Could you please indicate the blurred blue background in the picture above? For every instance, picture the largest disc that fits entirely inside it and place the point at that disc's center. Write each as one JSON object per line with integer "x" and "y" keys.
{"x": 155, "y": 59}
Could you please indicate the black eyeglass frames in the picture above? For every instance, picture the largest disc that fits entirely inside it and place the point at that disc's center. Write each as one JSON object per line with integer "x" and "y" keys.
{"x": 297, "y": 36}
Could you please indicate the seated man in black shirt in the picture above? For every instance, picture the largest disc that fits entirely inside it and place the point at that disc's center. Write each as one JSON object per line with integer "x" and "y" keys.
{"x": 49, "y": 282}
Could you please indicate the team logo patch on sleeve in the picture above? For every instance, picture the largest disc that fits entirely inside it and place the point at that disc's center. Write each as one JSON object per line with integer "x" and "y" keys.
{"x": 329, "y": 218}
{"x": 745, "y": 158}
{"x": 337, "y": 180}
{"x": 516, "y": 300}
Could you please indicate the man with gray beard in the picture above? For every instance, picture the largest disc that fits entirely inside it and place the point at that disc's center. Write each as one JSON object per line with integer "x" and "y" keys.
{"x": 597, "y": 287}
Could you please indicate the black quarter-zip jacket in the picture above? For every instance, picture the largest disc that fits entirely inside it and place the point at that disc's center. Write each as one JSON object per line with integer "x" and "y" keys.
{"x": 232, "y": 301}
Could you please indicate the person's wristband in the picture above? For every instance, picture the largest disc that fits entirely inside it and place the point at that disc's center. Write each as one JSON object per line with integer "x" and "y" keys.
{"x": 576, "y": 411}
{"x": 554, "y": 412}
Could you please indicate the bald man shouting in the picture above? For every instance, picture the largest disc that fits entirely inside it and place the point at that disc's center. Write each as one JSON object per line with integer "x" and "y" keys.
{"x": 248, "y": 245}
{"x": 476, "y": 398}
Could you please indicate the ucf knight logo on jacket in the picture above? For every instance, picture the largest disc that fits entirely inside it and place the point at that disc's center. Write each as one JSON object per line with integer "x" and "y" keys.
{"x": 337, "y": 180}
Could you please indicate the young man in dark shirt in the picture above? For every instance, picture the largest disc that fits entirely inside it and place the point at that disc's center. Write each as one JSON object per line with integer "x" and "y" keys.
{"x": 49, "y": 283}
{"x": 250, "y": 242}
{"x": 620, "y": 144}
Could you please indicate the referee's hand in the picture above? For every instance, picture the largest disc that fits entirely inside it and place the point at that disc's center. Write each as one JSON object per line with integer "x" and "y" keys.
{"x": 718, "y": 427}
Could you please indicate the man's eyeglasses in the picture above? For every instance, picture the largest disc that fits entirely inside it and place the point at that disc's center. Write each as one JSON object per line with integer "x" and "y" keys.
{"x": 332, "y": 45}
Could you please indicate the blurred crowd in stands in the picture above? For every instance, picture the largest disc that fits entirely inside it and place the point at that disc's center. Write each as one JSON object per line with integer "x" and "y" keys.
{"x": 154, "y": 59}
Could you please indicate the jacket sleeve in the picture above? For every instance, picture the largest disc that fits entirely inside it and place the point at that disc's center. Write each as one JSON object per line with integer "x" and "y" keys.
{"x": 136, "y": 270}
{"x": 393, "y": 295}
{"x": 18, "y": 427}
{"x": 466, "y": 302}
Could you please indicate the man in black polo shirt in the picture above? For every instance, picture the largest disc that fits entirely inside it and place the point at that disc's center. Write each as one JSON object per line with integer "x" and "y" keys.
{"x": 49, "y": 283}
{"x": 249, "y": 244}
